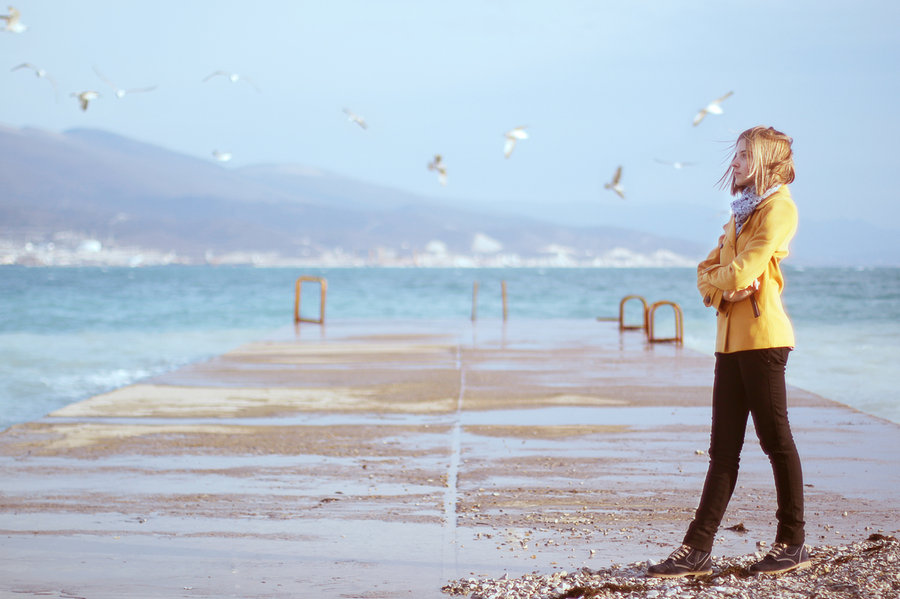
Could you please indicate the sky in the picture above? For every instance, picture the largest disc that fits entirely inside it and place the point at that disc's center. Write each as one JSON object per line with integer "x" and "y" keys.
{"x": 598, "y": 84}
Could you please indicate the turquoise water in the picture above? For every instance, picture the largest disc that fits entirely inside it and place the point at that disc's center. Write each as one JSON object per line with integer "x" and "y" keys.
{"x": 70, "y": 333}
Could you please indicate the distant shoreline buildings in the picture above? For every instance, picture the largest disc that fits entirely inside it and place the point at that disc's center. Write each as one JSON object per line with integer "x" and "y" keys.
{"x": 70, "y": 249}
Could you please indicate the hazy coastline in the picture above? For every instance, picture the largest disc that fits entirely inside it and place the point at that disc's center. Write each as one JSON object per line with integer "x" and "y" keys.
{"x": 68, "y": 249}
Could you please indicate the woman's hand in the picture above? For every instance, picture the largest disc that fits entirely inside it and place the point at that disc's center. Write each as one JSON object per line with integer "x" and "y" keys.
{"x": 741, "y": 294}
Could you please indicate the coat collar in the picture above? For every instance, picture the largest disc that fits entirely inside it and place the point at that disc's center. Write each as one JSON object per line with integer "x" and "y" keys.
{"x": 781, "y": 193}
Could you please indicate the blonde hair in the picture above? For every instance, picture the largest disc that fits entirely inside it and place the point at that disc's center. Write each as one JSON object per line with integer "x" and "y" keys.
{"x": 771, "y": 159}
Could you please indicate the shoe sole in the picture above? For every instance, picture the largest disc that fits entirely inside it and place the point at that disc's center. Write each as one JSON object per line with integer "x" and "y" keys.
{"x": 794, "y": 568}
{"x": 680, "y": 574}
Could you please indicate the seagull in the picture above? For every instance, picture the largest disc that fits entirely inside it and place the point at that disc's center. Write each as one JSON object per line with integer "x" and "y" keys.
{"x": 616, "y": 183}
{"x": 355, "y": 118}
{"x": 438, "y": 165}
{"x": 41, "y": 73}
{"x": 13, "y": 25}
{"x": 85, "y": 97}
{"x": 713, "y": 107}
{"x": 221, "y": 156}
{"x": 120, "y": 93}
{"x": 676, "y": 165}
{"x": 511, "y": 137}
{"x": 233, "y": 77}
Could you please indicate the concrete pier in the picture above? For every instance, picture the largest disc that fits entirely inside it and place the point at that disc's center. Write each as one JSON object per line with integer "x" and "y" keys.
{"x": 368, "y": 459}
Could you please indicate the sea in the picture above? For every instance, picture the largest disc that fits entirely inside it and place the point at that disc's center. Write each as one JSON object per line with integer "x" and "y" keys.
{"x": 69, "y": 333}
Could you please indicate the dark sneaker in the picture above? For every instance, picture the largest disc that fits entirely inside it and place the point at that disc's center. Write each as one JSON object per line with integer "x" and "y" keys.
{"x": 684, "y": 561}
{"x": 782, "y": 558}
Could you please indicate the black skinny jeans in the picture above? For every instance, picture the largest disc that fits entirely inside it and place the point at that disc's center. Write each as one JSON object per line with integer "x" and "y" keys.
{"x": 750, "y": 382}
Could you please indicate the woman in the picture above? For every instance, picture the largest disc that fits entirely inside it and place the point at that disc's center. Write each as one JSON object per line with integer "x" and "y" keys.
{"x": 741, "y": 278}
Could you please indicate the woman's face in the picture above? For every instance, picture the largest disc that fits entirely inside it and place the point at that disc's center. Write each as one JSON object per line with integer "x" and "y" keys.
{"x": 740, "y": 165}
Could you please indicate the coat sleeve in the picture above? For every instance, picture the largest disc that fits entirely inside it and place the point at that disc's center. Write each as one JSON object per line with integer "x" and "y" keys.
{"x": 777, "y": 224}
{"x": 711, "y": 296}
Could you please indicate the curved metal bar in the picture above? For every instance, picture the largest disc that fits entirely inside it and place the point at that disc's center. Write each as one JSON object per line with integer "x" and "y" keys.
{"x": 679, "y": 323}
{"x": 323, "y": 289}
{"x": 622, "y": 325}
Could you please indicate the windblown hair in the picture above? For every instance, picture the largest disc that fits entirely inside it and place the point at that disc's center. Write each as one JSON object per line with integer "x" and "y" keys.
{"x": 771, "y": 159}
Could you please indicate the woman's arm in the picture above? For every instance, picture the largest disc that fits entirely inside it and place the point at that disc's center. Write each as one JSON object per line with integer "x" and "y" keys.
{"x": 707, "y": 291}
{"x": 778, "y": 224}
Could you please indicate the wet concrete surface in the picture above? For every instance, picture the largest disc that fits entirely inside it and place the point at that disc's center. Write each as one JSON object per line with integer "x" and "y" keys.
{"x": 366, "y": 459}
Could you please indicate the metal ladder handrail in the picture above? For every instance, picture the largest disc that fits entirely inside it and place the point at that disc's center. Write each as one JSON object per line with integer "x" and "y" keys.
{"x": 679, "y": 323}
{"x": 622, "y": 325}
{"x": 323, "y": 289}
{"x": 475, "y": 300}
{"x": 649, "y": 313}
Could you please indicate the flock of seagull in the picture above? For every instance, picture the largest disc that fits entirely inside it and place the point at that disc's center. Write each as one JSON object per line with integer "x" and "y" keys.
{"x": 514, "y": 135}
{"x": 518, "y": 133}
{"x": 13, "y": 24}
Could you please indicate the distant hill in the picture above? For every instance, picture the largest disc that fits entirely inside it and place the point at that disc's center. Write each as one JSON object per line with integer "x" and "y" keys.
{"x": 85, "y": 196}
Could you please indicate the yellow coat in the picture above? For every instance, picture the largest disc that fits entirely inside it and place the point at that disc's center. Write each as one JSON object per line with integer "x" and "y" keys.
{"x": 755, "y": 254}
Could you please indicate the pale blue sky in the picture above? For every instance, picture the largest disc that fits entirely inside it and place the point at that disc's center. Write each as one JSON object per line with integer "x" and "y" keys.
{"x": 598, "y": 83}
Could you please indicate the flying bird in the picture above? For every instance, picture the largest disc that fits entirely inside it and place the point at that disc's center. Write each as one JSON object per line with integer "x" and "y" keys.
{"x": 438, "y": 165}
{"x": 512, "y": 136}
{"x": 714, "y": 107}
{"x": 40, "y": 73}
{"x": 233, "y": 77}
{"x": 221, "y": 156}
{"x": 85, "y": 97}
{"x": 616, "y": 183}
{"x": 120, "y": 93}
{"x": 355, "y": 118}
{"x": 13, "y": 24}
{"x": 676, "y": 164}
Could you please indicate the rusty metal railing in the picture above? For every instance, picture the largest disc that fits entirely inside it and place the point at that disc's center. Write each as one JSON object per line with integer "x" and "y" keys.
{"x": 648, "y": 313}
{"x": 679, "y": 323}
{"x": 475, "y": 300}
{"x": 323, "y": 290}
{"x": 622, "y": 325}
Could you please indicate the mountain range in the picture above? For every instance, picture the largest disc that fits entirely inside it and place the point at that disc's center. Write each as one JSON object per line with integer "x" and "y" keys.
{"x": 90, "y": 191}
{"x": 87, "y": 196}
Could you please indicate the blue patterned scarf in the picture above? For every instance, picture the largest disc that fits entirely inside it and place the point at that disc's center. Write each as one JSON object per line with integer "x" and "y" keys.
{"x": 744, "y": 205}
